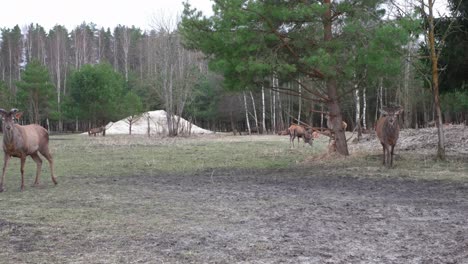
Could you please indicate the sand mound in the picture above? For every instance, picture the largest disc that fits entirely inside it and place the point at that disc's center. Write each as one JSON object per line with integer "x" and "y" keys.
{"x": 157, "y": 123}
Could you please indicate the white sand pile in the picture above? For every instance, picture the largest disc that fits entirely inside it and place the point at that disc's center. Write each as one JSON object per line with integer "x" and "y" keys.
{"x": 157, "y": 123}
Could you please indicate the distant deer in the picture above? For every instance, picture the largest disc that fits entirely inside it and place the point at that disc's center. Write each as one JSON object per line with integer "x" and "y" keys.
{"x": 330, "y": 123}
{"x": 22, "y": 141}
{"x": 388, "y": 130}
{"x": 332, "y": 130}
{"x": 299, "y": 132}
{"x": 97, "y": 130}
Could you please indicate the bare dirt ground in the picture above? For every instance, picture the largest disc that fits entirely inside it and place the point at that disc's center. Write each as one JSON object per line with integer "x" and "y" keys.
{"x": 309, "y": 217}
{"x": 321, "y": 211}
{"x": 318, "y": 216}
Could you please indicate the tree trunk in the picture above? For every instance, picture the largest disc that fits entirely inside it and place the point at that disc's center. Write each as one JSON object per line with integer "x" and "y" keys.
{"x": 300, "y": 105}
{"x": 280, "y": 111}
{"x": 255, "y": 111}
{"x": 406, "y": 81}
{"x": 148, "y": 129}
{"x": 333, "y": 104}
{"x": 273, "y": 105}
{"x": 336, "y": 119}
{"x": 247, "y": 114}
{"x": 321, "y": 118}
{"x": 263, "y": 111}
{"x": 435, "y": 84}
{"x": 364, "y": 108}
{"x": 357, "y": 102}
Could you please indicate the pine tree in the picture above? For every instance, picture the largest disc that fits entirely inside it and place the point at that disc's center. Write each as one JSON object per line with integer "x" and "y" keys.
{"x": 36, "y": 92}
{"x": 250, "y": 41}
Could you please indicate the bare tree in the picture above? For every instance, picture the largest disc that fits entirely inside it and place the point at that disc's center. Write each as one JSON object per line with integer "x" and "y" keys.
{"x": 434, "y": 57}
{"x": 176, "y": 71}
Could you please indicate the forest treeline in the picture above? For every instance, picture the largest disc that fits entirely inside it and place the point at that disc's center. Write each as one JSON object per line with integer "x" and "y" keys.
{"x": 71, "y": 80}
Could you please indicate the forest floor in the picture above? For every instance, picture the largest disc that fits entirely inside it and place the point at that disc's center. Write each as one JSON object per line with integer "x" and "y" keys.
{"x": 420, "y": 141}
{"x": 244, "y": 199}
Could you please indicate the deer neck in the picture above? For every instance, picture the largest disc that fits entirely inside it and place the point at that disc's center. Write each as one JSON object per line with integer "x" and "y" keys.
{"x": 390, "y": 127}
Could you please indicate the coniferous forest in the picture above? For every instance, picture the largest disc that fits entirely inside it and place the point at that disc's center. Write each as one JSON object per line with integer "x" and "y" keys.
{"x": 253, "y": 67}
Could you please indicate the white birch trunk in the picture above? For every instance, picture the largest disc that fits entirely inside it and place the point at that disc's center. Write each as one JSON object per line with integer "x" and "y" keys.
{"x": 246, "y": 114}
{"x": 357, "y": 102}
{"x": 364, "y": 108}
{"x": 275, "y": 84}
{"x": 255, "y": 111}
{"x": 263, "y": 111}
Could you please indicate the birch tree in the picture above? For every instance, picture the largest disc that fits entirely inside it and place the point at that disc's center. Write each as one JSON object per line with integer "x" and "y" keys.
{"x": 11, "y": 56}
{"x": 58, "y": 47}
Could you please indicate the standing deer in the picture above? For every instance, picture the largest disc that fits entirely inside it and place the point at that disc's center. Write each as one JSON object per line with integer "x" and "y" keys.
{"x": 22, "y": 141}
{"x": 299, "y": 132}
{"x": 388, "y": 130}
{"x": 97, "y": 130}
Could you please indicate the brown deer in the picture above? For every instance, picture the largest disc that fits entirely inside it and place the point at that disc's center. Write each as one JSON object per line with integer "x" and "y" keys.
{"x": 97, "y": 130}
{"x": 22, "y": 141}
{"x": 299, "y": 132}
{"x": 388, "y": 130}
{"x": 344, "y": 125}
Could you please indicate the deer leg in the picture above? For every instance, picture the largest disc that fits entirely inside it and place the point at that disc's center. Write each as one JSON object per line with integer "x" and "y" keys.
{"x": 38, "y": 161}
{"x": 5, "y": 164}
{"x": 384, "y": 152}
{"x": 49, "y": 158}
{"x": 388, "y": 157}
{"x": 23, "y": 161}
{"x": 391, "y": 156}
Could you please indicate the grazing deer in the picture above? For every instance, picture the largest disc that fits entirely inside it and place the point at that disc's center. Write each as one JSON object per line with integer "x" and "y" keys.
{"x": 299, "y": 132}
{"x": 97, "y": 130}
{"x": 388, "y": 130}
{"x": 22, "y": 141}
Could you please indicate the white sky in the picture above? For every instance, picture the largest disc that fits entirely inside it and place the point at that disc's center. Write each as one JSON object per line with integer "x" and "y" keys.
{"x": 103, "y": 13}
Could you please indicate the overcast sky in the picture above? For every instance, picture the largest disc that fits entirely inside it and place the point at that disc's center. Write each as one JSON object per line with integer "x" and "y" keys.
{"x": 104, "y": 13}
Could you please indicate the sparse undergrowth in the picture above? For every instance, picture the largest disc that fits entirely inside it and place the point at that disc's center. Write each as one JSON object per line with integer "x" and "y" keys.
{"x": 231, "y": 199}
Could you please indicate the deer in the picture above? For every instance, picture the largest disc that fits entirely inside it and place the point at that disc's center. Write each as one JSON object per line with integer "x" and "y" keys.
{"x": 344, "y": 125}
{"x": 94, "y": 131}
{"x": 22, "y": 141}
{"x": 299, "y": 132}
{"x": 330, "y": 125}
{"x": 388, "y": 130}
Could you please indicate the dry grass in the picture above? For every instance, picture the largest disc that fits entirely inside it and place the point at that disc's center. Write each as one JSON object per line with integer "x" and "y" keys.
{"x": 127, "y": 199}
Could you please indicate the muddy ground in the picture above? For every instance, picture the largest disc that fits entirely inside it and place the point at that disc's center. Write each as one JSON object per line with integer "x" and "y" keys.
{"x": 309, "y": 216}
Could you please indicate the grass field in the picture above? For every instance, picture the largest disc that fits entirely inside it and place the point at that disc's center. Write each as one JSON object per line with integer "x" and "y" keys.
{"x": 228, "y": 199}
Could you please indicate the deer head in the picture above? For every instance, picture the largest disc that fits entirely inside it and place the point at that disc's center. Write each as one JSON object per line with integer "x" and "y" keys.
{"x": 391, "y": 114}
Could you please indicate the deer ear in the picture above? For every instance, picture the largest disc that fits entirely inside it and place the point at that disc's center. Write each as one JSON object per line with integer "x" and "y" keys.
{"x": 383, "y": 112}
{"x": 18, "y": 115}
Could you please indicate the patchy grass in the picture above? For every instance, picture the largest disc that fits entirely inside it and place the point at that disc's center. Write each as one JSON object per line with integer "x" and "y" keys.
{"x": 229, "y": 199}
